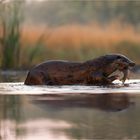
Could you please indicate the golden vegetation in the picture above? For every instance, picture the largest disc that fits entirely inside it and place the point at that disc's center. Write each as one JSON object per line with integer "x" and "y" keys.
{"x": 77, "y": 42}
{"x": 77, "y": 36}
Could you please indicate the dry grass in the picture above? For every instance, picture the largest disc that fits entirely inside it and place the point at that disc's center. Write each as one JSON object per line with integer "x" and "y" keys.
{"x": 77, "y": 42}
{"x": 76, "y": 36}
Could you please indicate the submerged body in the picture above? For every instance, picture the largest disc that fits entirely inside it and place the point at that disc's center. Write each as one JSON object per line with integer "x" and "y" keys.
{"x": 93, "y": 72}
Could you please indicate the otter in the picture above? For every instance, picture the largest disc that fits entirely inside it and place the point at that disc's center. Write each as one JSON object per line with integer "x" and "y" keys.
{"x": 98, "y": 71}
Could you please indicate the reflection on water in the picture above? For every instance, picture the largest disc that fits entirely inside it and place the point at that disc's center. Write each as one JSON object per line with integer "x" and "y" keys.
{"x": 33, "y": 117}
{"x": 107, "y": 101}
{"x": 69, "y": 112}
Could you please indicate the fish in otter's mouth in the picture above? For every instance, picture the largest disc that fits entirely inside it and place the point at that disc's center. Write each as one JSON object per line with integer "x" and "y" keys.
{"x": 121, "y": 75}
{"x": 122, "y": 67}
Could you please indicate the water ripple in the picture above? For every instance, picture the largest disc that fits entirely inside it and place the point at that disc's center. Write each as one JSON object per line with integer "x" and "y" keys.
{"x": 19, "y": 88}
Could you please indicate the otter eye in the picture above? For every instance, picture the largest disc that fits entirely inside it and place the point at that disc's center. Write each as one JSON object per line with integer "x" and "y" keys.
{"x": 118, "y": 57}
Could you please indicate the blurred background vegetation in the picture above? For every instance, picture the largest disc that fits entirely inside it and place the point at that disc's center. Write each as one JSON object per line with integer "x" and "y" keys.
{"x": 32, "y": 31}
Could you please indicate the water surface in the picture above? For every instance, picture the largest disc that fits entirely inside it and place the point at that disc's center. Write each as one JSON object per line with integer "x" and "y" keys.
{"x": 68, "y": 112}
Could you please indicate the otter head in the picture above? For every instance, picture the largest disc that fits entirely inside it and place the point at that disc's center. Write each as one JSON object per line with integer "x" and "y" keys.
{"x": 117, "y": 65}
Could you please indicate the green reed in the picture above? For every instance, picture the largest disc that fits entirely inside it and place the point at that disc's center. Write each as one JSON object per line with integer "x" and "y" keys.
{"x": 10, "y": 39}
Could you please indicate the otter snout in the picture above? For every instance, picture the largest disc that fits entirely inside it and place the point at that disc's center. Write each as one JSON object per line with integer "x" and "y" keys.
{"x": 120, "y": 66}
{"x": 125, "y": 63}
{"x": 132, "y": 64}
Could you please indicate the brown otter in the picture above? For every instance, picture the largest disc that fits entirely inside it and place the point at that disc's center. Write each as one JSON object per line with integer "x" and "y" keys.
{"x": 93, "y": 72}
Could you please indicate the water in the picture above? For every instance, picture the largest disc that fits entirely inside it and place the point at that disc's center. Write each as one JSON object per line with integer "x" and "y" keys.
{"x": 68, "y": 112}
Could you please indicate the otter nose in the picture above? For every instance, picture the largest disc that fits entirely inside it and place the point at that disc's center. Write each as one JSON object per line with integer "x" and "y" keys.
{"x": 132, "y": 64}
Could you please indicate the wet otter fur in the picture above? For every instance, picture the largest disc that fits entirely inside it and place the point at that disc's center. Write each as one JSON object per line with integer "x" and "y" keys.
{"x": 93, "y": 72}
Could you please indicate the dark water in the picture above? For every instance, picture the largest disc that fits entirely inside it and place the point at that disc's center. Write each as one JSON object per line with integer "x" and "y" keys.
{"x": 68, "y": 112}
